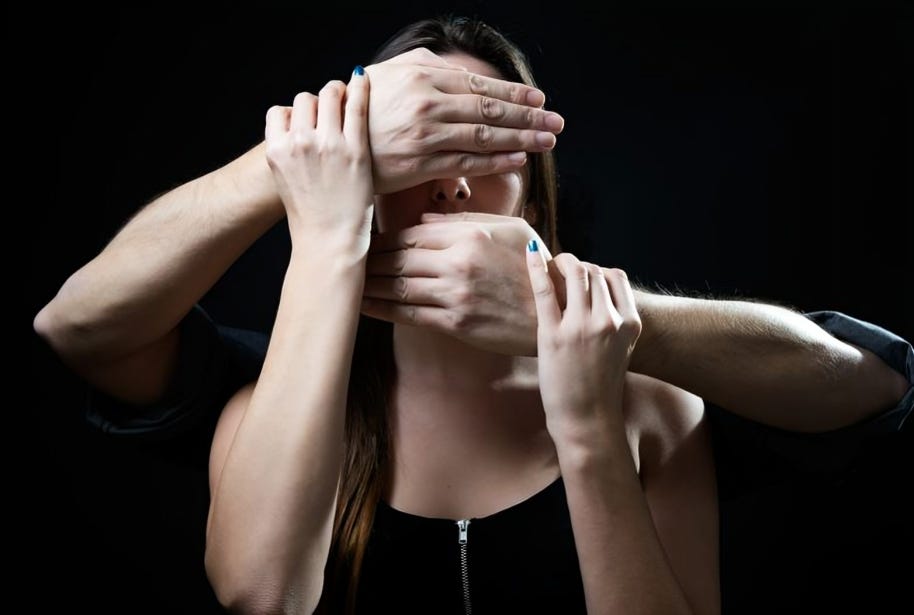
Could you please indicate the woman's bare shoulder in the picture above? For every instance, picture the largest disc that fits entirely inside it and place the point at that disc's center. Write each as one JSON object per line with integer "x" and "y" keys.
{"x": 659, "y": 415}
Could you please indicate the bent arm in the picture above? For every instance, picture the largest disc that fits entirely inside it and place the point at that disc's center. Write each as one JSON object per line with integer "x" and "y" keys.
{"x": 115, "y": 320}
{"x": 763, "y": 362}
{"x": 273, "y": 503}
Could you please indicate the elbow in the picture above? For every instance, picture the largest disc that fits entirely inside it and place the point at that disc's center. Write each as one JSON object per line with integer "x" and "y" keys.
{"x": 46, "y": 325}
{"x": 247, "y": 591}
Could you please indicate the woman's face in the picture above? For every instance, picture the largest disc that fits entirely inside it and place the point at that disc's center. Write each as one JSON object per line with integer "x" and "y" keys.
{"x": 495, "y": 194}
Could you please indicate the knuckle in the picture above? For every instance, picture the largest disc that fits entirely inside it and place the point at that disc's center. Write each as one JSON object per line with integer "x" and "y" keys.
{"x": 419, "y": 76}
{"x": 273, "y": 152}
{"x": 476, "y": 84}
{"x": 631, "y": 326}
{"x": 301, "y": 140}
{"x": 491, "y": 108}
{"x": 619, "y": 274}
{"x": 424, "y": 107}
{"x": 565, "y": 258}
{"x": 463, "y": 295}
{"x": 303, "y": 97}
{"x": 541, "y": 289}
{"x": 334, "y": 87}
{"x": 399, "y": 264}
{"x": 459, "y": 321}
{"x": 273, "y": 110}
{"x": 401, "y": 289}
{"x": 477, "y": 236}
{"x": 467, "y": 163}
{"x": 483, "y": 136}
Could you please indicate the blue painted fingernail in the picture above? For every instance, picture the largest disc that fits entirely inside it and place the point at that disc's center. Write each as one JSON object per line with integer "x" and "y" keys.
{"x": 532, "y": 246}
{"x": 358, "y": 70}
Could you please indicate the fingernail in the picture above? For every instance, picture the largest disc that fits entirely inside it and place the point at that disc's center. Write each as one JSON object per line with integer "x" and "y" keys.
{"x": 545, "y": 139}
{"x": 358, "y": 70}
{"x": 554, "y": 122}
{"x": 535, "y": 98}
{"x": 517, "y": 157}
{"x": 532, "y": 246}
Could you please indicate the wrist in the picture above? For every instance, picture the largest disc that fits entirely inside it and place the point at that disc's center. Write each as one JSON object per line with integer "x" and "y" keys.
{"x": 580, "y": 439}
{"x": 249, "y": 180}
{"x": 654, "y": 312}
{"x": 342, "y": 244}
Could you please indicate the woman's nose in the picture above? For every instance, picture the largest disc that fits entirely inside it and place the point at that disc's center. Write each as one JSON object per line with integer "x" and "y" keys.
{"x": 451, "y": 189}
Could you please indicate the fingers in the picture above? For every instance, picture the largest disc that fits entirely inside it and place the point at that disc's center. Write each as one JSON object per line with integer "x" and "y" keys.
{"x": 482, "y": 137}
{"x": 416, "y": 291}
{"x": 463, "y": 82}
{"x": 601, "y": 302}
{"x": 414, "y": 262}
{"x": 277, "y": 122}
{"x": 548, "y": 312}
{"x": 473, "y": 109}
{"x": 416, "y": 315}
{"x": 304, "y": 112}
{"x": 622, "y": 295}
{"x": 471, "y": 165}
{"x": 577, "y": 284}
{"x": 355, "y": 124}
{"x": 428, "y": 236}
{"x": 330, "y": 107}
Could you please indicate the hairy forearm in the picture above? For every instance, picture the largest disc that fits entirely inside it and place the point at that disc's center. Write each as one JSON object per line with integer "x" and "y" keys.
{"x": 273, "y": 509}
{"x": 163, "y": 261}
{"x": 623, "y": 564}
{"x": 764, "y": 362}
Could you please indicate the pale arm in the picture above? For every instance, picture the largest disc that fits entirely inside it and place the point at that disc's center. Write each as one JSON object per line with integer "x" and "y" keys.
{"x": 273, "y": 500}
{"x": 583, "y": 355}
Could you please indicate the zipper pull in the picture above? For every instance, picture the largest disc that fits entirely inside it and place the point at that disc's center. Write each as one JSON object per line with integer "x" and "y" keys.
{"x": 463, "y": 531}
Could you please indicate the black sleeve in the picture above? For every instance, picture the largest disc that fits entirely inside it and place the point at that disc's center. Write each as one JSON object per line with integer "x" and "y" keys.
{"x": 765, "y": 452}
{"x": 214, "y": 362}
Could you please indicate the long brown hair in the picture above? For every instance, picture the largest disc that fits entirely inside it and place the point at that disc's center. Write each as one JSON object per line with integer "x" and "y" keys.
{"x": 366, "y": 460}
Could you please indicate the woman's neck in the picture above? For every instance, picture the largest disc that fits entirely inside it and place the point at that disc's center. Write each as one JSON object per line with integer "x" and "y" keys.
{"x": 441, "y": 363}
{"x": 462, "y": 418}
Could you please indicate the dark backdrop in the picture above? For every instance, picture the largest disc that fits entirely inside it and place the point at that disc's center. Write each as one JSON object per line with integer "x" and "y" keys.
{"x": 758, "y": 151}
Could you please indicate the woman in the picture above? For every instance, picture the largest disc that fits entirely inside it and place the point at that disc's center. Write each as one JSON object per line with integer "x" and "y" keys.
{"x": 358, "y": 471}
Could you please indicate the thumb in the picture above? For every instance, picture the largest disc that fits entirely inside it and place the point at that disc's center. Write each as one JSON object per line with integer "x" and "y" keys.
{"x": 547, "y": 307}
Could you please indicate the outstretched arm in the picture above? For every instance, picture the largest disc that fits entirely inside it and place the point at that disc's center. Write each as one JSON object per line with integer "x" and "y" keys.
{"x": 764, "y": 362}
{"x": 115, "y": 320}
{"x": 760, "y": 361}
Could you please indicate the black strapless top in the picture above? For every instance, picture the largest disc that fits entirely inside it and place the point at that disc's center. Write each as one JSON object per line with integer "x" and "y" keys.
{"x": 519, "y": 560}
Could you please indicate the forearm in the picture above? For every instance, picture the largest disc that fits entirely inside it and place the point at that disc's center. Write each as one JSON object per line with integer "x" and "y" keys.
{"x": 623, "y": 564}
{"x": 272, "y": 512}
{"x": 764, "y": 362}
{"x": 163, "y": 261}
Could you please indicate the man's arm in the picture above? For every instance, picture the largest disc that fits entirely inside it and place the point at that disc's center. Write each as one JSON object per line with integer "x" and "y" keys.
{"x": 763, "y": 362}
{"x": 115, "y": 321}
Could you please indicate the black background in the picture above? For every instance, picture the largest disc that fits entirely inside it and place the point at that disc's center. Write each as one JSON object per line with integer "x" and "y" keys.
{"x": 754, "y": 150}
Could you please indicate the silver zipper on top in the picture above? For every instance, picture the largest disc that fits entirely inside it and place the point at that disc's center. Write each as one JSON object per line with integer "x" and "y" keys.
{"x": 463, "y": 533}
